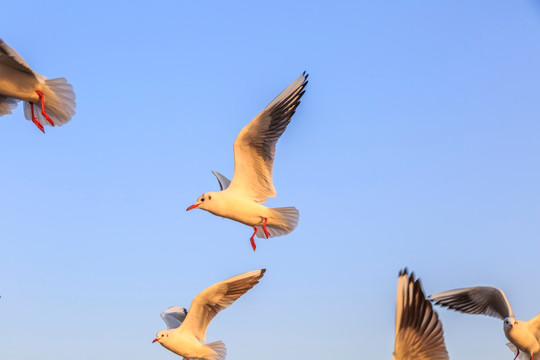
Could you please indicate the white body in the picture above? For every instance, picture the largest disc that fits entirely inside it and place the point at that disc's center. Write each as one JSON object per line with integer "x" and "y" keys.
{"x": 185, "y": 344}
{"x": 248, "y": 212}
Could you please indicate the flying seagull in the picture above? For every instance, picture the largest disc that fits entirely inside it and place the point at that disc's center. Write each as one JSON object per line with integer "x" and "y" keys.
{"x": 186, "y": 330}
{"x": 487, "y": 300}
{"x": 419, "y": 333}
{"x": 254, "y": 148}
{"x": 18, "y": 81}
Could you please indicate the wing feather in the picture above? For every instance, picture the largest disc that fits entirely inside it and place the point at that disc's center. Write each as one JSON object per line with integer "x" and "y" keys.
{"x": 419, "y": 333}
{"x": 7, "y": 104}
{"x": 174, "y": 316}
{"x": 223, "y": 181}
{"x": 485, "y": 300}
{"x": 217, "y": 297}
{"x": 10, "y": 58}
{"x": 255, "y": 146}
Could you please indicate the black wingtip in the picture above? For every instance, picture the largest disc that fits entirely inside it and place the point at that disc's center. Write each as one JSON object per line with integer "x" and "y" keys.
{"x": 411, "y": 276}
{"x": 404, "y": 271}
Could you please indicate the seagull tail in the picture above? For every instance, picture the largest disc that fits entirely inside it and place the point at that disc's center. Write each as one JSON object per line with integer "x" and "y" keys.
{"x": 522, "y": 354}
{"x": 59, "y": 103}
{"x": 282, "y": 221}
{"x": 218, "y": 350}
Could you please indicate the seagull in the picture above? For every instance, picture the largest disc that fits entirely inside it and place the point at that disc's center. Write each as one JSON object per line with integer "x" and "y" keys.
{"x": 18, "y": 81}
{"x": 254, "y": 148}
{"x": 487, "y": 300}
{"x": 186, "y": 329}
{"x": 419, "y": 333}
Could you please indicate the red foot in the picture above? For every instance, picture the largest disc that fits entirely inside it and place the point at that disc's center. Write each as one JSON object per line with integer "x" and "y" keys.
{"x": 517, "y": 353}
{"x": 34, "y": 120}
{"x": 40, "y": 94}
{"x": 251, "y": 239}
{"x": 264, "y": 228}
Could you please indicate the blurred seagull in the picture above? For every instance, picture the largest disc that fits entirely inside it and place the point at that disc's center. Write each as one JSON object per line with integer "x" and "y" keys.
{"x": 19, "y": 82}
{"x": 487, "y": 300}
{"x": 240, "y": 199}
{"x": 419, "y": 333}
{"x": 186, "y": 330}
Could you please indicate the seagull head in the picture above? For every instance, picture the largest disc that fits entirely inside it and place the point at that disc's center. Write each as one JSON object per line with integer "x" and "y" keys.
{"x": 509, "y": 323}
{"x": 162, "y": 336}
{"x": 203, "y": 202}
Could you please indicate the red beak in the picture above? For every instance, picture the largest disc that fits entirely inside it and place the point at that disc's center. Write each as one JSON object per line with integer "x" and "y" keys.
{"x": 192, "y": 207}
{"x": 156, "y": 339}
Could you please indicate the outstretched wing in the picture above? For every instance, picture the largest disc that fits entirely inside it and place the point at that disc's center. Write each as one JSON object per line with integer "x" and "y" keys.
{"x": 222, "y": 180}
{"x": 174, "y": 316}
{"x": 255, "y": 146}
{"x": 419, "y": 333}
{"x": 484, "y": 300}
{"x": 7, "y": 104}
{"x": 216, "y": 298}
{"x": 10, "y": 58}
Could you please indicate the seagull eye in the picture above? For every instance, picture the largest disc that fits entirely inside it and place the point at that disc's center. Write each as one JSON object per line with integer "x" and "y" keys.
{"x": 202, "y": 199}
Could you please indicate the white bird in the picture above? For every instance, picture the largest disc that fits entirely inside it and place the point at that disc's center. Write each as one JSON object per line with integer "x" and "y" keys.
{"x": 240, "y": 199}
{"x": 419, "y": 333}
{"x": 487, "y": 300}
{"x": 186, "y": 330}
{"x": 19, "y": 82}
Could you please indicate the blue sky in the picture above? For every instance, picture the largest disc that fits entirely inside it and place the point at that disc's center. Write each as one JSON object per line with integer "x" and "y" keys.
{"x": 416, "y": 144}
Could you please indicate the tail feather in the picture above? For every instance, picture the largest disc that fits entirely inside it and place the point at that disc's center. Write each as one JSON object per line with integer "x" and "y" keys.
{"x": 522, "y": 355}
{"x": 59, "y": 103}
{"x": 219, "y": 350}
{"x": 286, "y": 219}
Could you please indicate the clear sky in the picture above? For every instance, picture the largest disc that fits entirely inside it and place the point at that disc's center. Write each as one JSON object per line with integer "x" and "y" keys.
{"x": 416, "y": 144}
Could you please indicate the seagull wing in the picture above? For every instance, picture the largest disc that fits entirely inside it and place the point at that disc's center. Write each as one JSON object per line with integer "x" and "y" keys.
{"x": 10, "y": 58}
{"x": 419, "y": 333}
{"x": 174, "y": 316}
{"x": 255, "y": 146}
{"x": 7, "y": 104}
{"x": 484, "y": 300}
{"x": 216, "y": 298}
{"x": 222, "y": 180}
